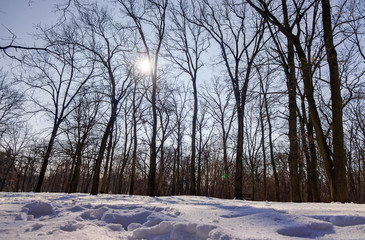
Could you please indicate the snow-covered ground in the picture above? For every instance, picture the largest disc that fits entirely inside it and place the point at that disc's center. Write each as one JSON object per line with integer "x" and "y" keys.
{"x": 82, "y": 216}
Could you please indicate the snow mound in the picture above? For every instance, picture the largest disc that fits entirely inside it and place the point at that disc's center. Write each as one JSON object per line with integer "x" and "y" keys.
{"x": 342, "y": 221}
{"x": 71, "y": 227}
{"x": 174, "y": 231}
{"x": 312, "y": 230}
{"x": 139, "y": 216}
{"x": 38, "y": 209}
{"x": 94, "y": 214}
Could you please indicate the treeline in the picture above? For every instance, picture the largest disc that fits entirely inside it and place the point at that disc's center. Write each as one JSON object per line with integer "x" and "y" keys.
{"x": 260, "y": 100}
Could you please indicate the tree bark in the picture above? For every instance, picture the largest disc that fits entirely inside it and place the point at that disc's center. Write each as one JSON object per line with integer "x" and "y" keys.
{"x": 104, "y": 140}
{"x": 135, "y": 142}
{"x": 272, "y": 159}
{"x": 106, "y": 167}
{"x": 295, "y": 186}
{"x": 46, "y": 157}
{"x": 153, "y": 151}
{"x": 338, "y": 170}
{"x": 193, "y": 138}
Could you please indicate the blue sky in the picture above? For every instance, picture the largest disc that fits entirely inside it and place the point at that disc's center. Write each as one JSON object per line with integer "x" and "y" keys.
{"x": 22, "y": 16}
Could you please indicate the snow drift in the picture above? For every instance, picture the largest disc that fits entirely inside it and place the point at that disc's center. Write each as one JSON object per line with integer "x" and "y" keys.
{"x": 82, "y": 216}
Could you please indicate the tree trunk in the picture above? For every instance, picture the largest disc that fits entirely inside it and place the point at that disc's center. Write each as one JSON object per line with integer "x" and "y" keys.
{"x": 105, "y": 175}
{"x": 135, "y": 142}
{"x": 178, "y": 162}
{"x": 263, "y": 150}
{"x": 338, "y": 172}
{"x": 107, "y": 187}
{"x": 226, "y": 169}
{"x": 193, "y": 137}
{"x": 309, "y": 149}
{"x": 305, "y": 151}
{"x": 46, "y": 158}
{"x": 76, "y": 173}
{"x": 162, "y": 168}
{"x": 309, "y": 92}
{"x": 272, "y": 159}
{"x": 295, "y": 185}
{"x": 173, "y": 187}
{"x": 96, "y": 177}
{"x": 293, "y": 135}
{"x": 253, "y": 180}
{"x": 314, "y": 160}
{"x": 199, "y": 177}
{"x": 239, "y": 155}
{"x": 153, "y": 151}
{"x": 207, "y": 169}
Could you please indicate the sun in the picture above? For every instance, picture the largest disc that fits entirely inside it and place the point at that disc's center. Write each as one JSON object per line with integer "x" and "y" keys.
{"x": 144, "y": 66}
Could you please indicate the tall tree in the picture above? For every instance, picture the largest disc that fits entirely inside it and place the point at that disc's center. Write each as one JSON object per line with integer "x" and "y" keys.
{"x": 59, "y": 74}
{"x": 103, "y": 44}
{"x": 338, "y": 169}
{"x": 164, "y": 109}
{"x": 265, "y": 111}
{"x": 186, "y": 44}
{"x": 179, "y": 103}
{"x": 137, "y": 98}
{"x": 78, "y": 129}
{"x": 218, "y": 99}
{"x": 226, "y": 23}
{"x": 287, "y": 59}
{"x": 336, "y": 172}
{"x": 149, "y": 18}
{"x": 11, "y": 101}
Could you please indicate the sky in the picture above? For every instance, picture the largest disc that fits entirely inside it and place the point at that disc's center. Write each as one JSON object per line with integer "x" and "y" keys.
{"x": 22, "y": 16}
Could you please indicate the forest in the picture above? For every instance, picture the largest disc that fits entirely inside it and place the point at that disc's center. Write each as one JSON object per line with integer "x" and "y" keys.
{"x": 246, "y": 99}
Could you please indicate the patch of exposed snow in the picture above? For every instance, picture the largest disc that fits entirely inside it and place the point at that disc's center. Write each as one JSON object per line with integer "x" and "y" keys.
{"x": 83, "y": 216}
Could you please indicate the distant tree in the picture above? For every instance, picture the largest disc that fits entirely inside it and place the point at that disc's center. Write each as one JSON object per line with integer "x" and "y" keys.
{"x": 185, "y": 46}
{"x": 205, "y": 128}
{"x": 226, "y": 23}
{"x": 11, "y": 103}
{"x": 13, "y": 146}
{"x": 165, "y": 110}
{"x": 78, "y": 129}
{"x": 265, "y": 112}
{"x": 180, "y": 111}
{"x": 149, "y": 18}
{"x": 218, "y": 98}
{"x": 58, "y": 76}
{"x": 137, "y": 98}
{"x": 126, "y": 133}
{"x": 106, "y": 46}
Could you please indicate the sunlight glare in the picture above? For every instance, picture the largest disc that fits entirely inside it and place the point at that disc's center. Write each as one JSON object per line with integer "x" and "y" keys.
{"x": 145, "y": 66}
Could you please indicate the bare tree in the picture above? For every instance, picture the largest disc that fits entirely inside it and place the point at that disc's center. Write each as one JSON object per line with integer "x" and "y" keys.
{"x": 164, "y": 109}
{"x": 13, "y": 143}
{"x": 265, "y": 113}
{"x": 226, "y": 22}
{"x": 334, "y": 164}
{"x": 186, "y": 44}
{"x": 60, "y": 76}
{"x": 218, "y": 99}
{"x": 78, "y": 129}
{"x": 11, "y": 102}
{"x": 105, "y": 45}
{"x": 137, "y": 98}
{"x": 179, "y": 104}
{"x": 338, "y": 168}
{"x": 150, "y": 15}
